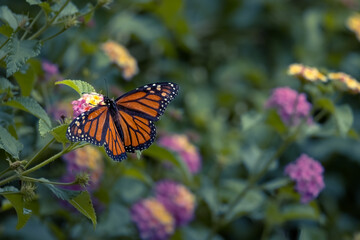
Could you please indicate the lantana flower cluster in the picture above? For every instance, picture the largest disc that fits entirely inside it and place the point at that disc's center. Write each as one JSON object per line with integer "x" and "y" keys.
{"x": 157, "y": 217}
{"x": 51, "y": 71}
{"x": 180, "y": 144}
{"x": 122, "y": 58}
{"x": 86, "y": 102}
{"x": 353, "y": 23}
{"x": 291, "y": 106}
{"x": 306, "y": 73}
{"x": 351, "y": 83}
{"x": 308, "y": 175}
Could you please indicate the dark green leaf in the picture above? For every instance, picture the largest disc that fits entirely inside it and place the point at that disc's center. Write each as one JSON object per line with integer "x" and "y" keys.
{"x": 344, "y": 119}
{"x": 137, "y": 174}
{"x": 33, "y": 2}
{"x": 23, "y": 214}
{"x": 277, "y": 183}
{"x": 6, "y": 15}
{"x": 163, "y": 154}
{"x": 6, "y": 30}
{"x": 78, "y": 85}
{"x": 29, "y": 105}
{"x": 43, "y": 128}
{"x": 61, "y": 193}
{"x": 70, "y": 9}
{"x": 59, "y": 133}
{"x": 326, "y": 104}
{"x": 5, "y": 84}
{"x": 84, "y": 205}
{"x": 309, "y": 233}
{"x": 275, "y": 121}
{"x": 19, "y": 52}
{"x": 26, "y": 81}
{"x": 9, "y": 143}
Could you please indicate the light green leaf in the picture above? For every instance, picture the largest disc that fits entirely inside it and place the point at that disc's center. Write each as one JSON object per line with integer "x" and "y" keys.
{"x": 29, "y": 105}
{"x": 45, "y": 7}
{"x": 59, "y": 133}
{"x": 43, "y": 128}
{"x": 276, "y": 184}
{"x": 9, "y": 143}
{"x": 163, "y": 154}
{"x": 78, "y": 85}
{"x": 63, "y": 194}
{"x": 23, "y": 214}
{"x": 26, "y": 81}
{"x": 33, "y": 2}
{"x": 6, "y": 15}
{"x": 344, "y": 119}
{"x": 19, "y": 52}
{"x": 84, "y": 205}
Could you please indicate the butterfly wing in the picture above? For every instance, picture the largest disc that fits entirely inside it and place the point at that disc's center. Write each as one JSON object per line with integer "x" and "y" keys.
{"x": 139, "y": 109}
{"x": 97, "y": 126}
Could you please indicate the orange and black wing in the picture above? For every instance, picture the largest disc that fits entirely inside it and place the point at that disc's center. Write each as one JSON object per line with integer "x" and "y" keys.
{"x": 97, "y": 126}
{"x": 139, "y": 109}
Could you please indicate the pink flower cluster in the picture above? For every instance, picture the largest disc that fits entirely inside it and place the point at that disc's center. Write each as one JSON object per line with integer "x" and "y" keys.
{"x": 291, "y": 106}
{"x": 187, "y": 151}
{"x": 156, "y": 218}
{"x": 86, "y": 102}
{"x": 308, "y": 175}
{"x": 51, "y": 71}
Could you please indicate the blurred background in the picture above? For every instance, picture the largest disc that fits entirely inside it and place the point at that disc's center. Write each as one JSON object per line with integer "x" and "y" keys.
{"x": 226, "y": 56}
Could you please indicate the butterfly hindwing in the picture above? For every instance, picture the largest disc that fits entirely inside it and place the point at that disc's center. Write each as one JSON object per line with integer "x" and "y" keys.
{"x": 97, "y": 127}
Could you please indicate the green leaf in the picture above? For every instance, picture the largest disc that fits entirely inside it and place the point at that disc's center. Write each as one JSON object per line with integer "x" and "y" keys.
{"x": 276, "y": 184}
{"x": 9, "y": 143}
{"x": 33, "y": 2}
{"x": 26, "y": 81}
{"x": 5, "y": 84}
{"x": 6, "y": 30}
{"x": 23, "y": 214}
{"x": 326, "y": 104}
{"x": 70, "y": 9}
{"x": 84, "y": 205}
{"x": 43, "y": 128}
{"x": 8, "y": 190}
{"x": 45, "y": 7}
{"x": 6, "y": 15}
{"x": 163, "y": 154}
{"x": 274, "y": 120}
{"x": 78, "y": 85}
{"x": 19, "y": 52}
{"x": 63, "y": 194}
{"x": 29, "y": 105}
{"x": 209, "y": 194}
{"x": 59, "y": 133}
{"x": 137, "y": 174}
{"x": 344, "y": 119}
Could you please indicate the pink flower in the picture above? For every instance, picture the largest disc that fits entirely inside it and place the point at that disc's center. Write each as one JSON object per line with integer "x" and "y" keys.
{"x": 307, "y": 173}
{"x": 187, "y": 151}
{"x": 177, "y": 199}
{"x": 86, "y": 102}
{"x": 51, "y": 71}
{"x": 291, "y": 106}
{"x": 152, "y": 219}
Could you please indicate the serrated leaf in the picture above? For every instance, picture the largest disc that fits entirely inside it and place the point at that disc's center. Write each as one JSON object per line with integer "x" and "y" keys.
{"x": 5, "y": 84}
{"x": 43, "y": 128}
{"x": 29, "y": 105}
{"x": 78, "y": 85}
{"x": 163, "y": 154}
{"x": 70, "y": 9}
{"x": 33, "y": 2}
{"x": 59, "y": 133}
{"x": 23, "y": 214}
{"x": 6, "y": 15}
{"x": 344, "y": 119}
{"x": 19, "y": 51}
{"x": 84, "y": 205}
{"x": 61, "y": 193}
{"x": 9, "y": 143}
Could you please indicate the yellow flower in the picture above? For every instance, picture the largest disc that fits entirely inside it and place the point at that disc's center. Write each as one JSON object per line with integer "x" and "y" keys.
{"x": 351, "y": 83}
{"x": 121, "y": 57}
{"x": 159, "y": 212}
{"x": 353, "y": 23}
{"x": 306, "y": 73}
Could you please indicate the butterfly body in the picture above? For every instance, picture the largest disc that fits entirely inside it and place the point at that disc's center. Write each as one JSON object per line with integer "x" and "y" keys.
{"x": 125, "y": 124}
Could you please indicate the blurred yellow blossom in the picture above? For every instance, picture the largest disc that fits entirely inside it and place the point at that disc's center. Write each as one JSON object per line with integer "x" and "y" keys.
{"x": 351, "y": 83}
{"x": 121, "y": 57}
{"x": 353, "y": 23}
{"x": 306, "y": 73}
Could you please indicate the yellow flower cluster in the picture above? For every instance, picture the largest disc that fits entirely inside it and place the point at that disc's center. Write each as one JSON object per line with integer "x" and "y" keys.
{"x": 306, "y": 73}
{"x": 185, "y": 199}
{"x": 159, "y": 212}
{"x": 121, "y": 57}
{"x": 353, "y": 23}
{"x": 351, "y": 83}
{"x": 93, "y": 99}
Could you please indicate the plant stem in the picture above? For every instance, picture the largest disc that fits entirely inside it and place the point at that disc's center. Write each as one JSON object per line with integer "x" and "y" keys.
{"x": 30, "y": 179}
{"x": 5, "y": 171}
{"x": 47, "y": 24}
{"x": 55, "y": 35}
{"x": 40, "y": 152}
{"x": 31, "y": 25}
{"x": 4, "y": 43}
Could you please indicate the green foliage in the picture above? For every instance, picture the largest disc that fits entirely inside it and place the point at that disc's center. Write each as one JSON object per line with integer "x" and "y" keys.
{"x": 79, "y": 86}
{"x": 83, "y": 204}
{"x": 9, "y": 143}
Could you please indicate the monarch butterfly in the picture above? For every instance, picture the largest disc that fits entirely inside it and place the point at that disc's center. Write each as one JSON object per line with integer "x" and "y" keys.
{"x": 126, "y": 124}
